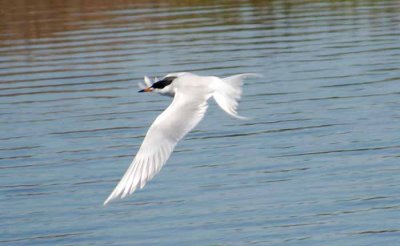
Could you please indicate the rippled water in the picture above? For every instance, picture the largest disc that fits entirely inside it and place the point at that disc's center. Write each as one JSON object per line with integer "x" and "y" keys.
{"x": 318, "y": 163}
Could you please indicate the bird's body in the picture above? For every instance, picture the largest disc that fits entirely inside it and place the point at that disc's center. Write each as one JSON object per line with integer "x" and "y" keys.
{"x": 191, "y": 93}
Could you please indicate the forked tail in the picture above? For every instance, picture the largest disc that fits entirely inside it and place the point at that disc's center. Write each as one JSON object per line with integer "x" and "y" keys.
{"x": 228, "y": 92}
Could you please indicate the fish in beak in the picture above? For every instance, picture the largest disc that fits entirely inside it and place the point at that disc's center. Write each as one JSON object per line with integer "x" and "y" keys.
{"x": 147, "y": 85}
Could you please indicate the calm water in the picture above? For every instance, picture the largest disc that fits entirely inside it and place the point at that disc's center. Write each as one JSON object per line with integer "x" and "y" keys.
{"x": 318, "y": 163}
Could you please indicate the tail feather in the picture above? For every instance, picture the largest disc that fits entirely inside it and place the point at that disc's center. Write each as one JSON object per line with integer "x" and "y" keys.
{"x": 228, "y": 92}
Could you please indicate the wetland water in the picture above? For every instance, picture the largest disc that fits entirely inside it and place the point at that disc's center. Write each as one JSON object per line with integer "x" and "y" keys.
{"x": 317, "y": 164}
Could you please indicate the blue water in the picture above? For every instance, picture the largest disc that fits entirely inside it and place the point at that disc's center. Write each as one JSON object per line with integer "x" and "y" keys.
{"x": 317, "y": 163}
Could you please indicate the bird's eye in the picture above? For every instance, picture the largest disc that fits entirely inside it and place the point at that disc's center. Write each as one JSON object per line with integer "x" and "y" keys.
{"x": 164, "y": 82}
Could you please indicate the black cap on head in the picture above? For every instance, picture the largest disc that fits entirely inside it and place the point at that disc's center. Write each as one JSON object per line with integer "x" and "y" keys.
{"x": 164, "y": 82}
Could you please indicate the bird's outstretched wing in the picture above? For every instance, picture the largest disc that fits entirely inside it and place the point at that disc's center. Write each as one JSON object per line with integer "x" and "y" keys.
{"x": 184, "y": 113}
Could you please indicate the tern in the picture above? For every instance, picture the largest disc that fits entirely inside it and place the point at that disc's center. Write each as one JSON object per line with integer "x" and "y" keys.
{"x": 190, "y": 94}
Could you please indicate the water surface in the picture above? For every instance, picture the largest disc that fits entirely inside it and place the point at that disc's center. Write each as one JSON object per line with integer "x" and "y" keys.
{"x": 317, "y": 164}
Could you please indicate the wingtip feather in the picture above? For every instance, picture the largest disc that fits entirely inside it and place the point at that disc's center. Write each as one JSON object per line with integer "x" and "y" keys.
{"x": 242, "y": 117}
{"x": 105, "y": 203}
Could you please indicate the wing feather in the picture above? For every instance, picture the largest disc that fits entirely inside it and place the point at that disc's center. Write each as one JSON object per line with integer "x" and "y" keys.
{"x": 184, "y": 113}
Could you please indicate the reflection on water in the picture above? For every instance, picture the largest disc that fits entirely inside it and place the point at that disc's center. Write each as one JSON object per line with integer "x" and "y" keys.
{"x": 316, "y": 164}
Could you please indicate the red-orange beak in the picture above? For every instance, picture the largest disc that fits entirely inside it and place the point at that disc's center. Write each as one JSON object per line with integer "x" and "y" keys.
{"x": 148, "y": 89}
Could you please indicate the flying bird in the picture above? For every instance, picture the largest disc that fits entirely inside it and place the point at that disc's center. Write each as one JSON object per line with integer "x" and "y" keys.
{"x": 191, "y": 93}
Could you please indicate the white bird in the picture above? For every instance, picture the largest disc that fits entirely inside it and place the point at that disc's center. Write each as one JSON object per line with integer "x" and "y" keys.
{"x": 191, "y": 93}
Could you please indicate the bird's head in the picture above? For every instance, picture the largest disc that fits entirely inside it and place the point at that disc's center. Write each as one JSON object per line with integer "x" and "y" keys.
{"x": 163, "y": 86}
